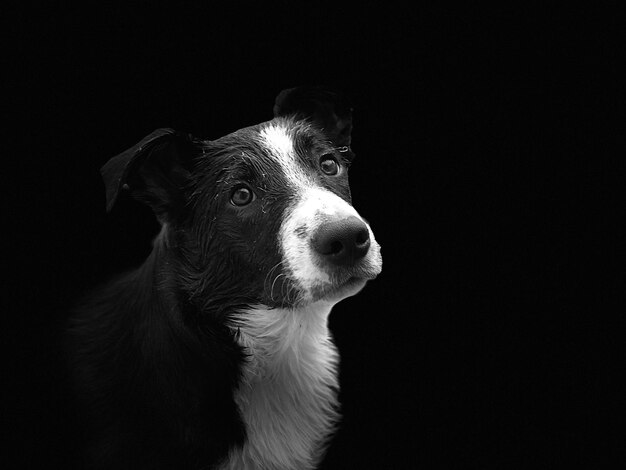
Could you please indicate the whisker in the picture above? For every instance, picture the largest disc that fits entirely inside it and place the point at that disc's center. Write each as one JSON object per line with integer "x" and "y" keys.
{"x": 269, "y": 274}
{"x": 273, "y": 283}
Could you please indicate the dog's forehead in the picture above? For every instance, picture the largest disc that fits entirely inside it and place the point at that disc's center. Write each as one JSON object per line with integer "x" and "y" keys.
{"x": 292, "y": 144}
{"x": 283, "y": 149}
{"x": 278, "y": 140}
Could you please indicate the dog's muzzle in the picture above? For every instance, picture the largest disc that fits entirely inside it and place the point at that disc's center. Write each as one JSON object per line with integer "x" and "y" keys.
{"x": 326, "y": 246}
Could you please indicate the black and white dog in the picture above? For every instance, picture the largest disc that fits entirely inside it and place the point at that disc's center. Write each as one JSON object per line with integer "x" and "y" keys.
{"x": 215, "y": 352}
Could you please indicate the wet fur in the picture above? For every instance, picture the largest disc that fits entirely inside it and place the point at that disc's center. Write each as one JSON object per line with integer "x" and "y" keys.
{"x": 209, "y": 355}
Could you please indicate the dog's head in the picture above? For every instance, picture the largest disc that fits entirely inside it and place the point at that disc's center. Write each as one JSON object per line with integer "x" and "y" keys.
{"x": 262, "y": 216}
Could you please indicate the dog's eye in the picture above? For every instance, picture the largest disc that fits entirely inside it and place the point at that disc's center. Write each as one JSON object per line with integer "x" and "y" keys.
{"x": 241, "y": 195}
{"x": 329, "y": 165}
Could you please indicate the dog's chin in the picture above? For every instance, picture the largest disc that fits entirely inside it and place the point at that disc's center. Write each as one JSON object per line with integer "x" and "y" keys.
{"x": 342, "y": 286}
{"x": 343, "y": 283}
{"x": 334, "y": 293}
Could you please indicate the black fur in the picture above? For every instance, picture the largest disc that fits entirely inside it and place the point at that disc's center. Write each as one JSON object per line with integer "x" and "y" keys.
{"x": 154, "y": 357}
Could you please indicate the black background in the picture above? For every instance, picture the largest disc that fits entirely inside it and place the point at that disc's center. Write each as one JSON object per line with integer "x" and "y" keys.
{"x": 489, "y": 162}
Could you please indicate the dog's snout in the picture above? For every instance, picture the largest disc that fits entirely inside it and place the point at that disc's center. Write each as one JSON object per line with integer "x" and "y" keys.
{"x": 342, "y": 242}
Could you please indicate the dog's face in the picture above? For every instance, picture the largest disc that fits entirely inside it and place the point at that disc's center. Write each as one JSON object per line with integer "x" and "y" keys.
{"x": 273, "y": 202}
{"x": 263, "y": 216}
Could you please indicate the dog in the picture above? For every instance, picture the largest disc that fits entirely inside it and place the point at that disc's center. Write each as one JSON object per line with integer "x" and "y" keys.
{"x": 215, "y": 352}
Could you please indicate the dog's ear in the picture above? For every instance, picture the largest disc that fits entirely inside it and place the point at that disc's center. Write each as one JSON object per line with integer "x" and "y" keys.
{"x": 327, "y": 109}
{"x": 155, "y": 171}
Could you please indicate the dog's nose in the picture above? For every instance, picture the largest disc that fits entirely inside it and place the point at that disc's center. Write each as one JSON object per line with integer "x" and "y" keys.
{"x": 342, "y": 242}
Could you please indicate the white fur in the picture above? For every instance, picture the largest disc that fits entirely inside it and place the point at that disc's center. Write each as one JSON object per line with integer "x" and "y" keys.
{"x": 314, "y": 207}
{"x": 287, "y": 396}
{"x": 278, "y": 141}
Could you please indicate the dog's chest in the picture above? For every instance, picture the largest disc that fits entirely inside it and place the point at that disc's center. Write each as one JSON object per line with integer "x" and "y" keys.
{"x": 287, "y": 396}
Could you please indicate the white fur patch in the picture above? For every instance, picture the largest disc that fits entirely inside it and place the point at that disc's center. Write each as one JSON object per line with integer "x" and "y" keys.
{"x": 315, "y": 207}
{"x": 287, "y": 397}
{"x": 279, "y": 142}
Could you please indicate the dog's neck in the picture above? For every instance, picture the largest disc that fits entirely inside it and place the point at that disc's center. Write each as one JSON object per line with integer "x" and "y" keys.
{"x": 287, "y": 396}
